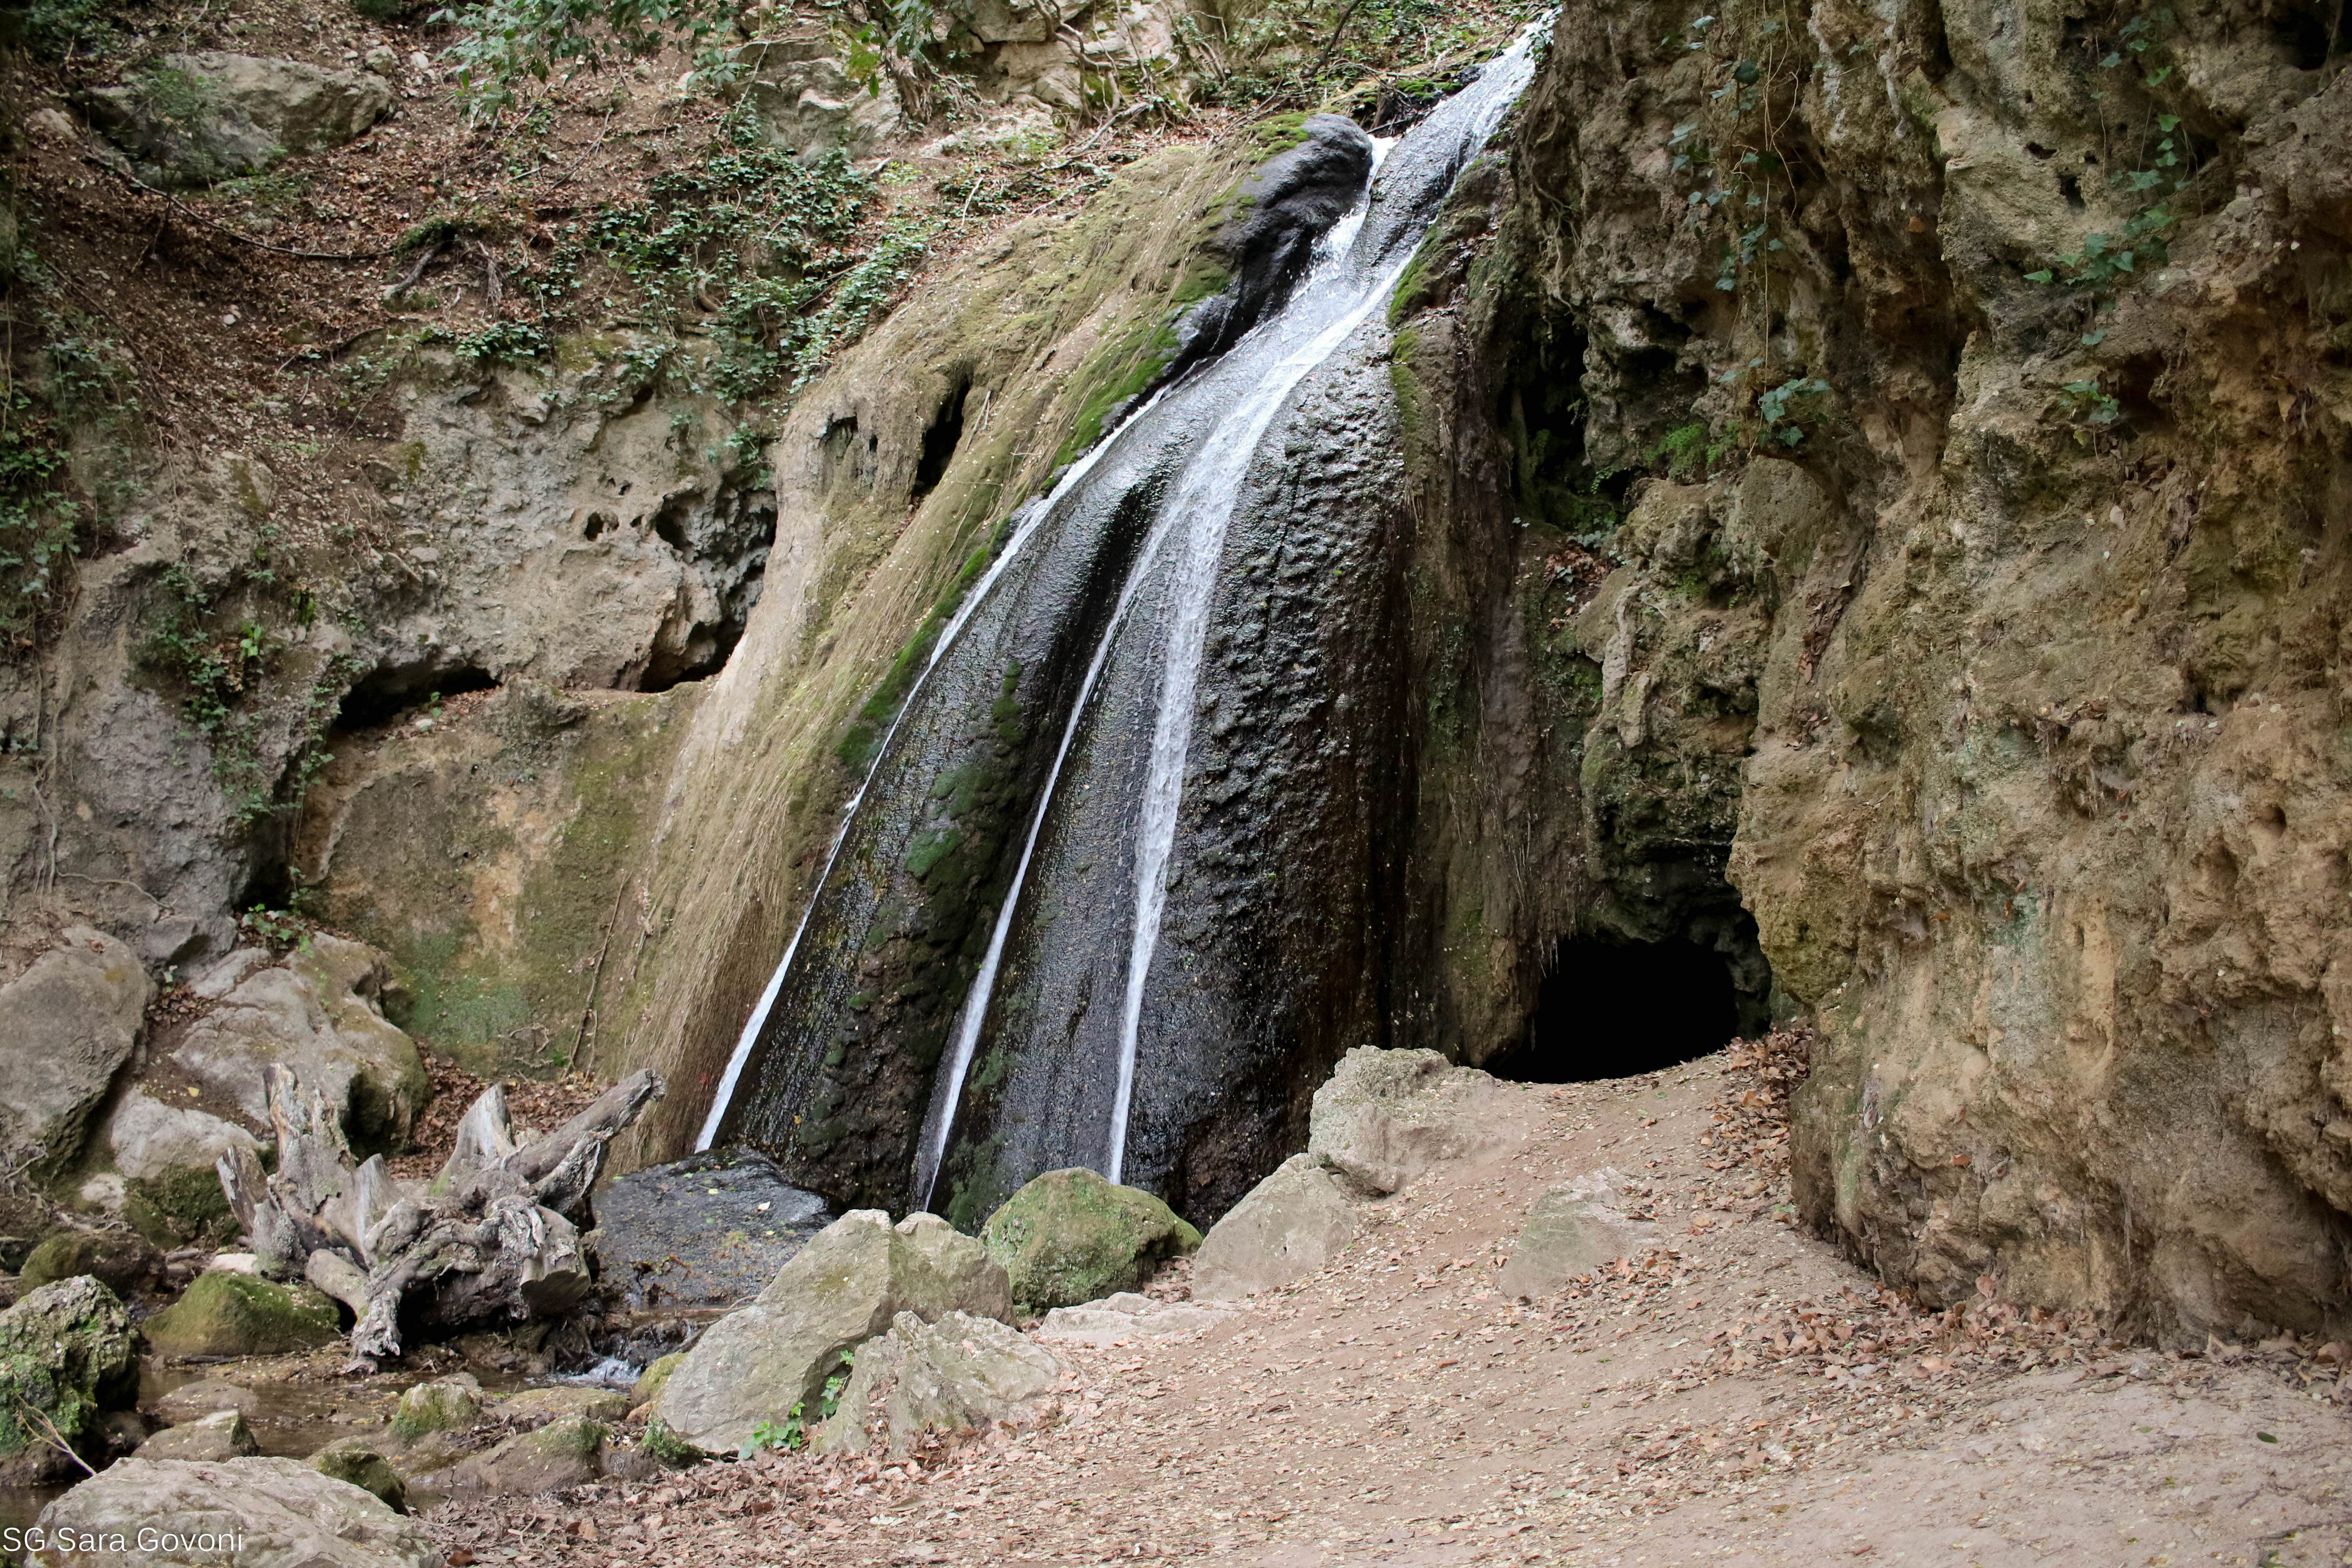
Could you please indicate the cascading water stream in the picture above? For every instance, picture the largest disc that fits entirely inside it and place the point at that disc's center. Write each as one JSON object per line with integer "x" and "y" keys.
{"x": 723, "y": 1098}
{"x": 974, "y": 984}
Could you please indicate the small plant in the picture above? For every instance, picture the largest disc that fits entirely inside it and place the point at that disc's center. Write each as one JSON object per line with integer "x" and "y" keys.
{"x": 277, "y": 928}
{"x": 59, "y": 29}
{"x": 1685, "y": 451}
{"x": 1773, "y": 406}
{"x": 667, "y": 1446}
{"x": 500, "y": 341}
{"x": 791, "y": 1432}
{"x": 2088, "y": 408}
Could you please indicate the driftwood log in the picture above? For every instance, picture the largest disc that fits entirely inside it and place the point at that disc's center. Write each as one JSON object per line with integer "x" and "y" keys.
{"x": 495, "y": 1235}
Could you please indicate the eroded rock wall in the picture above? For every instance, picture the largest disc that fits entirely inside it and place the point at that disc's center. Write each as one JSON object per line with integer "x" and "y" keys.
{"x": 1977, "y": 385}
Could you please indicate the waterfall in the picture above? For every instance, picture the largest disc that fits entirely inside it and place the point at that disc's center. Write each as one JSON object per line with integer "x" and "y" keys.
{"x": 1024, "y": 527}
{"x": 970, "y": 984}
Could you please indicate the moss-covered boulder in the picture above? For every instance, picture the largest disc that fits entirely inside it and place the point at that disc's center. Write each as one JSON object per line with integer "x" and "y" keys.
{"x": 358, "y": 1461}
{"x": 66, "y": 1357}
{"x": 450, "y": 1405}
{"x": 1071, "y": 1236}
{"x": 236, "y": 1314}
{"x": 121, "y": 1263}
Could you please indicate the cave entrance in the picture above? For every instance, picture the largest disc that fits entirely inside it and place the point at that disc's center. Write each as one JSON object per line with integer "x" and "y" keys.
{"x": 1612, "y": 1008}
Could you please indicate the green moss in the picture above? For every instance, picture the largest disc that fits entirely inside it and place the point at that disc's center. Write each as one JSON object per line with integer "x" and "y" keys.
{"x": 236, "y": 1314}
{"x": 180, "y": 1208}
{"x": 67, "y": 1352}
{"x": 648, "y": 1386}
{"x": 1280, "y": 133}
{"x": 353, "y": 1462}
{"x": 446, "y": 1406}
{"x": 1410, "y": 291}
{"x": 118, "y": 1262}
{"x": 1071, "y": 1236}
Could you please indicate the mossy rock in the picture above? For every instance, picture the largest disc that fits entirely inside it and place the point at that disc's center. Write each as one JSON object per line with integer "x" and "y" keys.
{"x": 357, "y": 1462}
{"x": 180, "y": 1208}
{"x": 67, "y": 1352}
{"x": 451, "y": 1404}
{"x": 236, "y": 1314}
{"x": 649, "y": 1381}
{"x": 1071, "y": 1236}
{"x": 121, "y": 1263}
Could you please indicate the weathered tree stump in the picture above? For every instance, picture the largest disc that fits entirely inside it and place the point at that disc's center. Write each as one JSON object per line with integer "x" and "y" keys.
{"x": 493, "y": 1236}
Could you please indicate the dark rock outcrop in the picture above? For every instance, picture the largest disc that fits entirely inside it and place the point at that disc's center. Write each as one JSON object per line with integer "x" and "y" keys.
{"x": 1266, "y": 240}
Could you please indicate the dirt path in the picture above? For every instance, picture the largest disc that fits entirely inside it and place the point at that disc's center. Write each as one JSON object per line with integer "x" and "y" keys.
{"x": 1739, "y": 1395}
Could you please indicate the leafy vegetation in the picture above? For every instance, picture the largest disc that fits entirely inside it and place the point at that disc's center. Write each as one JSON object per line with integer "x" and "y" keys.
{"x": 61, "y": 376}
{"x": 39, "y": 521}
{"x": 60, "y": 29}
{"x": 791, "y": 1432}
{"x": 504, "y": 43}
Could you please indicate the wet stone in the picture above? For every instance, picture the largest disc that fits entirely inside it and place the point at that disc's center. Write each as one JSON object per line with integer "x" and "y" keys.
{"x": 709, "y": 1230}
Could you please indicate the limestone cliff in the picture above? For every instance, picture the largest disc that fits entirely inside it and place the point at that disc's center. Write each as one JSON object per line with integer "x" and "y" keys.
{"x": 1974, "y": 384}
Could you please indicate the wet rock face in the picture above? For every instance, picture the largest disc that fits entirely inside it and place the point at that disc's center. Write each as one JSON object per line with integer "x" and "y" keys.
{"x": 705, "y": 1231}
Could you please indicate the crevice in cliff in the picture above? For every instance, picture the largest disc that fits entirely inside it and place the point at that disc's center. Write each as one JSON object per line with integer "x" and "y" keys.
{"x": 384, "y": 692}
{"x": 944, "y": 434}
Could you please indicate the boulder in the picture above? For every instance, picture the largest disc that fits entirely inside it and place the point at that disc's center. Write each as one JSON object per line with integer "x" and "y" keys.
{"x": 813, "y": 106}
{"x": 1384, "y": 1117}
{"x": 360, "y": 1462}
{"x": 66, "y": 1025}
{"x": 237, "y": 1314}
{"x": 152, "y": 1141}
{"x": 544, "y": 1459}
{"x": 121, "y": 1263}
{"x": 66, "y": 1357}
{"x": 565, "y": 1403}
{"x": 755, "y": 1366}
{"x": 711, "y": 1230}
{"x": 223, "y": 1435}
{"x": 960, "y": 1373}
{"x": 1071, "y": 1236}
{"x": 254, "y": 1512}
{"x": 319, "y": 1014}
{"x": 446, "y": 1404}
{"x": 197, "y": 119}
{"x": 1289, "y": 1226}
{"x": 1127, "y": 1316}
{"x": 206, "y": 1397}
{"x": 1570, "y": 1229}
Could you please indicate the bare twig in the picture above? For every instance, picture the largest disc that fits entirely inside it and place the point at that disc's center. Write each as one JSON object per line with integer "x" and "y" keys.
{"x": 53, "y": 1438}
{"x": 1336, "y": 28}
{"x": 432, "y": 253}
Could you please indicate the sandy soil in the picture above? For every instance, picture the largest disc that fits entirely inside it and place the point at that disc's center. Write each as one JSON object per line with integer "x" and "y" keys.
{"x": 1735, "y": 1393}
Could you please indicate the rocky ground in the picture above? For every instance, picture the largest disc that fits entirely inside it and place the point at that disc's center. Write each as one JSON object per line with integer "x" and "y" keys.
{"x": 1732, "y": 1391}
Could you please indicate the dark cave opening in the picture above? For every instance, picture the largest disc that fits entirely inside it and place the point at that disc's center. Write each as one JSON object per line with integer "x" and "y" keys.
{"x": 1610, "y": 1008}
{"x": 941, "y": 439}
{"x": 382, "y": 693}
